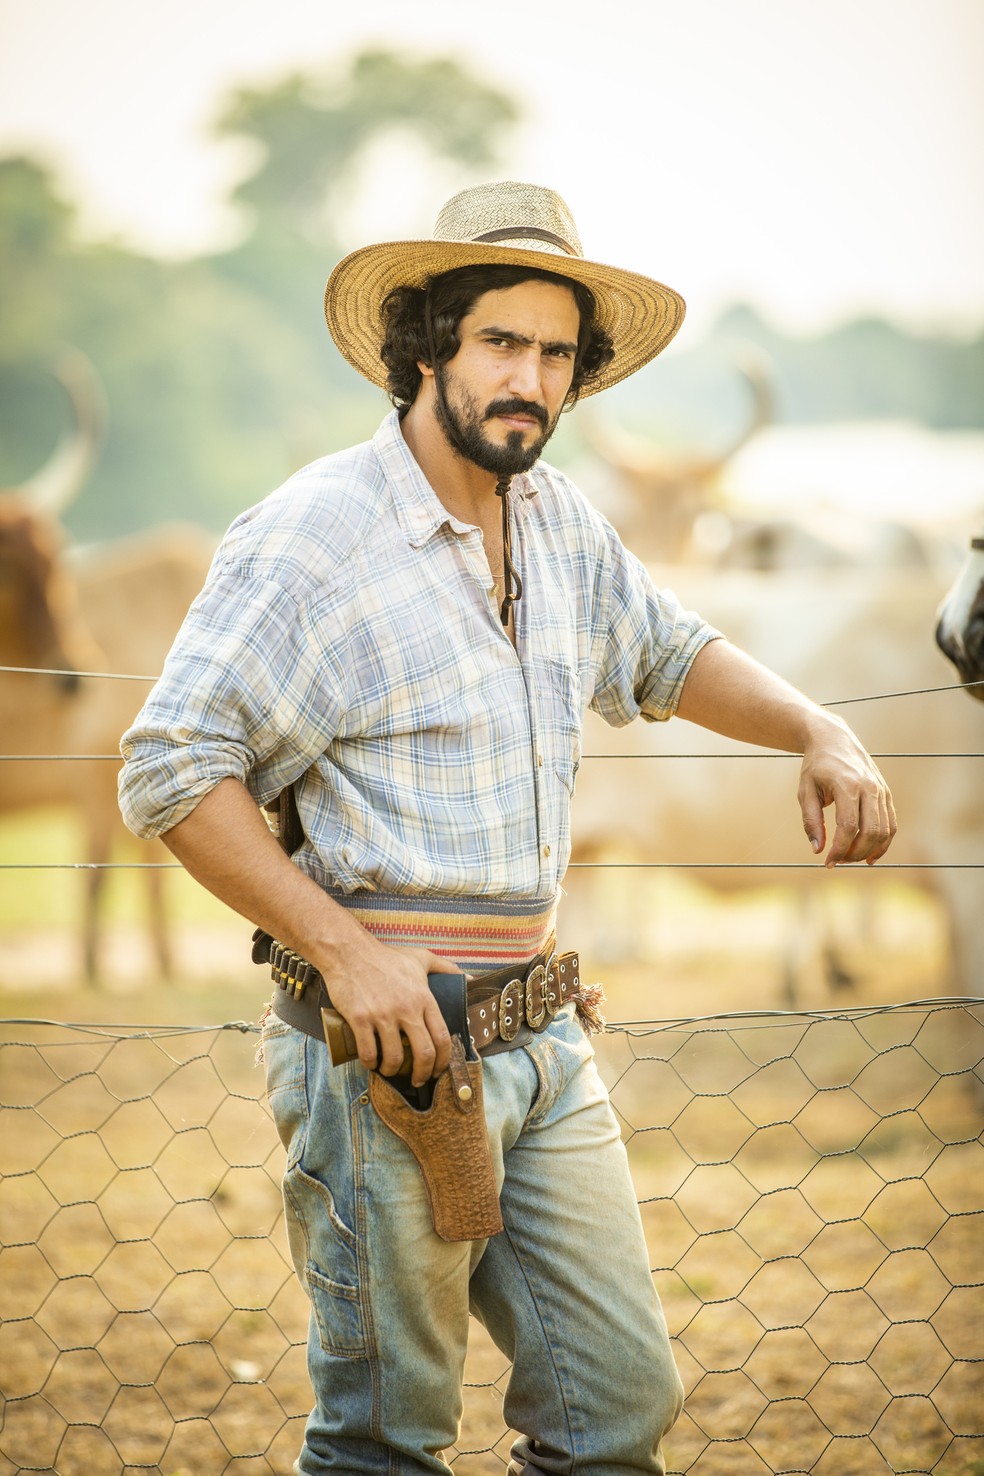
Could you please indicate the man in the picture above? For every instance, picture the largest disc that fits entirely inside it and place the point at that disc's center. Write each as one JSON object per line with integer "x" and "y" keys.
{"x": 408, "y": 634}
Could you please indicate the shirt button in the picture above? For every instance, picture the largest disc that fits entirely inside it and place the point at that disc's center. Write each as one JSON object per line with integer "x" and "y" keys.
{"x": 546, "y": 850}
{"x": 539, "y": 760}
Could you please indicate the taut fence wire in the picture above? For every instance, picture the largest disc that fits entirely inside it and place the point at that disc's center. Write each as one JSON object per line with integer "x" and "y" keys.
{"x": 811, "y": 1186}
{"x": 120, "y": 676}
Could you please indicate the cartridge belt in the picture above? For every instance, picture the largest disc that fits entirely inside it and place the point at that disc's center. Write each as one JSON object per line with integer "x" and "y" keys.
{"x": 504, "y": 1007}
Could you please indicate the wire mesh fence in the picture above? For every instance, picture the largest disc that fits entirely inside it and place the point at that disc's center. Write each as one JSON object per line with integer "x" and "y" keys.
{"x": 812, "y": 1187}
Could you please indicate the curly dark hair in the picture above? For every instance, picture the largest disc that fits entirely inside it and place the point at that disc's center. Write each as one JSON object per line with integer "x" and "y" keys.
{"x": 452, "y": 295}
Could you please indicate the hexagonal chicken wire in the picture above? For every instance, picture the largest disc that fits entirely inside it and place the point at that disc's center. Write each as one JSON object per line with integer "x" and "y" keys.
{"x": 811, "y": 1189}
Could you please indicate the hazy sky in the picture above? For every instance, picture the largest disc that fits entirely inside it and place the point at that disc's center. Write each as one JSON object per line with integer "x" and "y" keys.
{"x": 819, "y": 157}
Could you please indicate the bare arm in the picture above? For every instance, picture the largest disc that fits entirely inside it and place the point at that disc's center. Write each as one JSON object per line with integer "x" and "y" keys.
{"x": 730, "y": 693}
{"x": 227, "y": 846}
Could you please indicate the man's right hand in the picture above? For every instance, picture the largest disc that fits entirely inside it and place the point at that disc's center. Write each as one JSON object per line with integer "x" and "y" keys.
{"x": 227, "y": 846}
{"x": 383, "y": 994}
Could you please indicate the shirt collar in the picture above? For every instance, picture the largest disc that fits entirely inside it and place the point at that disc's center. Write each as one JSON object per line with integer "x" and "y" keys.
{"x": 419, "y": 510}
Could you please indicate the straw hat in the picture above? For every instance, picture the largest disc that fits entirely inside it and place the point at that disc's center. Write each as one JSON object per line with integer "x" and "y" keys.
{"x": 513, "y": 224}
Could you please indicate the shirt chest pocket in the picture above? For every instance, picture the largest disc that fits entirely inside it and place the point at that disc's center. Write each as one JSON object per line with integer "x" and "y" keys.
{"x": 564, "y": 718}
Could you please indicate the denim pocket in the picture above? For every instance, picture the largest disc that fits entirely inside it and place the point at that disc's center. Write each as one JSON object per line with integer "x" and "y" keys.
{"x": 282, "y": 1052}
{"x": 331, "y": 1272}
{"x": 558, "y": 1055}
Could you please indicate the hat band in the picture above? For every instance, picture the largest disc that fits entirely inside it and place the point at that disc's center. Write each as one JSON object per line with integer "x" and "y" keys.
{"x": 527, "y": 233}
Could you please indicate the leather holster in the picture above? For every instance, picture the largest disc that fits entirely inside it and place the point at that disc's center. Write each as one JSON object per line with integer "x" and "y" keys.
{"x": 449, "y": 1142}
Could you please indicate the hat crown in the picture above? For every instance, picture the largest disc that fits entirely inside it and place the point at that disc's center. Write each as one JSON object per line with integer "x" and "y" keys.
{"x": 511, "y": 214}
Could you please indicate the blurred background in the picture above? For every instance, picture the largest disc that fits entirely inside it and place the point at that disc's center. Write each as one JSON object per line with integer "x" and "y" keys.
{"x": 175, "y": 185}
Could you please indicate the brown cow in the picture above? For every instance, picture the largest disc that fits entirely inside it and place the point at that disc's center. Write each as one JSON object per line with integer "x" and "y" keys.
{"x": 114, "y": 611}
{"x": 40, "y": 625}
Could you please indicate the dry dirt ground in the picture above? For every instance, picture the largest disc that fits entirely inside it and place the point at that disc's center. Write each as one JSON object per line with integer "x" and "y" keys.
{"x": 812, "y": 1191}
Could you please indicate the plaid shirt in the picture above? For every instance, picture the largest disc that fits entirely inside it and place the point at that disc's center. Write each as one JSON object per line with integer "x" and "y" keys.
{"x": 348, "y": 638}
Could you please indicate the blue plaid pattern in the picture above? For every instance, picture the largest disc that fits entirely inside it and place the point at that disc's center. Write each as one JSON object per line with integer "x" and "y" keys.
{"x": 348, "y": 638}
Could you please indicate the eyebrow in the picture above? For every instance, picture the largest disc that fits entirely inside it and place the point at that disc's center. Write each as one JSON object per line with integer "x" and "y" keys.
{"x": 521, "y": 338}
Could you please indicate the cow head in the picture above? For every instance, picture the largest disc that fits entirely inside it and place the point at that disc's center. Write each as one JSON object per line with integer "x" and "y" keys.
{"x": 960, "y": 623}
{"x": 663, "y": 500}
{"x": 40, "y": 625}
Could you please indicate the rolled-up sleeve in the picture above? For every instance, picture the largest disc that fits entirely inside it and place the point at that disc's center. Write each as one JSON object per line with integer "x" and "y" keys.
{"x": 646, "y": 647}
{"x": 245, "y": 693}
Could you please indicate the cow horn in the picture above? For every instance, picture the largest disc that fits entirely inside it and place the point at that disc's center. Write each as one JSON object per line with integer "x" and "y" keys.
{"x": 757, "y": 370}
{"x": 634, "y": 454}
{"x": 60, "y": 480}
{"x": 616, "y": 446}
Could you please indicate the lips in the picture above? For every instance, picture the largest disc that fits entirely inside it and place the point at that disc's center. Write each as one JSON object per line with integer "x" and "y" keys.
{"x": 518, "y": 415}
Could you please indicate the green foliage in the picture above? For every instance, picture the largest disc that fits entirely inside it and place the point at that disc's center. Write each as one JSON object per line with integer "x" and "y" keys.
{"x": 867, "y": 369}
{"x": 220, "y": 376}
{"x": 311, "y": 133}
{"x": 219, "y": 373}
{"x": 36, "y": 230}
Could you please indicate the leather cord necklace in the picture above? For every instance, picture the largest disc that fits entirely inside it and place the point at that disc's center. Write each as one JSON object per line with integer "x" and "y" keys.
{"x": 512, "y": 584}
{"x": 510, "y": 575}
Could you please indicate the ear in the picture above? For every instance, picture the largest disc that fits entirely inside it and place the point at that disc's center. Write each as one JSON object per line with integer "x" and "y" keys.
{"x": 425, "y": 369}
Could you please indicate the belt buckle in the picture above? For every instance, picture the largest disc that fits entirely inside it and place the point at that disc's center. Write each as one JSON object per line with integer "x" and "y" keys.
{"x": 536, "y": 976}
{"x": 511, "y": 1009}
{"x": 551, "y": 988}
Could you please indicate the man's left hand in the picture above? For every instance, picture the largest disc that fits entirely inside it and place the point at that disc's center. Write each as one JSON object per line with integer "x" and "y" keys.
{"x": 837, "y": 771}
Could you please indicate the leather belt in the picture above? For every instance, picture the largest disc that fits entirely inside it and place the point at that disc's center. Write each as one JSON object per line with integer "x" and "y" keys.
{"x": 504, "y": 1008}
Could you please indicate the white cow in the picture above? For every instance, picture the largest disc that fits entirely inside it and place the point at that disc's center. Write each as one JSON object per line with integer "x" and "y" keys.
{"x": 960, "y": 622}
{"x": 835, "y": 634}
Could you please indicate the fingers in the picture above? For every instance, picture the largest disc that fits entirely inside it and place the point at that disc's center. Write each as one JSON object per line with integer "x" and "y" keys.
{"x": 421, "y": 1046}
{"x": 393, "y": 1044}
{"x": 365, "y": 1039}
{"x": 434, "y": 964}
{"x": 841, "y": 774}
{"x": 891, "y": 826}
{"x": 811, "y": 806}
{"x": 847, "y": 811}
{"x": 396, "y": 1020}
{"x": 437, "y": 1043}
{"x": 876, "y": 829}
{"x": 865, "y": 826}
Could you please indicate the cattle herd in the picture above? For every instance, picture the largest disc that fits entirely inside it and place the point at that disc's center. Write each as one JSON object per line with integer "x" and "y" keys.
{"x": 71, "y": 620}
{"x": 841, "y": 629}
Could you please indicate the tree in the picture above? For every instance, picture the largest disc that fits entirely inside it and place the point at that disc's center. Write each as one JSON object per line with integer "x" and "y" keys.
{"x": 220, "y": 374}
{"x": 312, "y": 134}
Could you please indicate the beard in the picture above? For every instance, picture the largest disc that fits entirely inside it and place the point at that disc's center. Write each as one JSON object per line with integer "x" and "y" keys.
{"x": 463, "y": 424}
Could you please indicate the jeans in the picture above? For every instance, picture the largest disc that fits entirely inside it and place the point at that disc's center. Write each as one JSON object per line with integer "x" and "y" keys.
{"x": 565, "y": 1290}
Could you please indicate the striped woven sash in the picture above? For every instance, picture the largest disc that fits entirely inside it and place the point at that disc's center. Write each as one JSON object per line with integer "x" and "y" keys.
{"x": 479, "y": 934}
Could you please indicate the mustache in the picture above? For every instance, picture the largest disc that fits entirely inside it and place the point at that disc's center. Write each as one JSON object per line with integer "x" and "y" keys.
{"x": 518, "y": 407}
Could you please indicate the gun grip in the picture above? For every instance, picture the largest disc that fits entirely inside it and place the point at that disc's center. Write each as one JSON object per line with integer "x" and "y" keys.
{"x": 450, "y": 992}
{"x": 341, "y": 1042}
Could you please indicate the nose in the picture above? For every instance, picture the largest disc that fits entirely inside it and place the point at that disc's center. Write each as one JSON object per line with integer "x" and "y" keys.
{"x": 525, "y": 375}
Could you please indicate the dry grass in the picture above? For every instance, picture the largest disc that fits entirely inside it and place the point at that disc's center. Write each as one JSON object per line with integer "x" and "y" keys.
{"x": 812, "y": 1194}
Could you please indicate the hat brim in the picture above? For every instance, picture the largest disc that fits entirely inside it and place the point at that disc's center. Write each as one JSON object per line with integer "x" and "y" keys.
{"x": 640, "y": 314}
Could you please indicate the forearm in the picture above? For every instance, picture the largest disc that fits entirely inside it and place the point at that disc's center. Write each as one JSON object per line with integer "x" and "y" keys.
{"x": 227, "y": 846}
{"x": 729, "y": 692}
